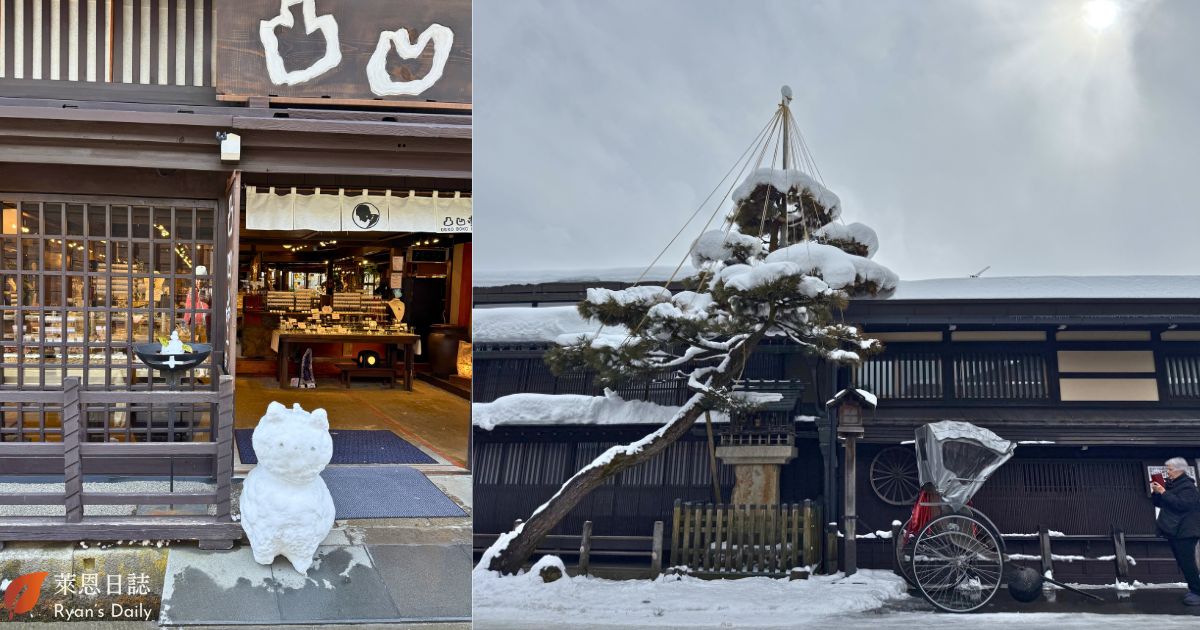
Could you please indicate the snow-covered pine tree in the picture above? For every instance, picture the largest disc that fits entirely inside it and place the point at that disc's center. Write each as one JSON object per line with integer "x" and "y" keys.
{"x": 784, "y": 265}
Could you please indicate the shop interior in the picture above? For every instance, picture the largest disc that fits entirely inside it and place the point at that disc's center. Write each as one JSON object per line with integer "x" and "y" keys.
{"x": 372, "y": 326}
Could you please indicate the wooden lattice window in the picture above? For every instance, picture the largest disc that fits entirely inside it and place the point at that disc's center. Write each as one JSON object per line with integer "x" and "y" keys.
{"x": 84, "y": 278}
{"x": 1183, "y": 376}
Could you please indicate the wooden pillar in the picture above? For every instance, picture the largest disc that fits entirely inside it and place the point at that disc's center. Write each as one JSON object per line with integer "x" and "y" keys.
{"x": 851, "y": 514}
{"x": 585, "y": 548}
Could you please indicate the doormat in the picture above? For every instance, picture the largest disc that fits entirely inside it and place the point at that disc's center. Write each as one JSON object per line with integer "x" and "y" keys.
{"x": 391, "y": 492}
{"x": 352, "y": 447}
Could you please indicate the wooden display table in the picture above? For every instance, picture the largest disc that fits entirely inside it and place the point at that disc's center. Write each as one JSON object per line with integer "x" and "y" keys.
{"x": 394, "y": 342}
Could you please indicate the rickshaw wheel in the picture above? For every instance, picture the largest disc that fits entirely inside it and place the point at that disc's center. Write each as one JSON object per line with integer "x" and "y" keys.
{"x": 957, "y": 562}
{"x": 904, "y": 556}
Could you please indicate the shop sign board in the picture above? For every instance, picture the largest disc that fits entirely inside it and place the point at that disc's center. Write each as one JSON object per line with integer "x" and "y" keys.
{"x": 388, "y": 50}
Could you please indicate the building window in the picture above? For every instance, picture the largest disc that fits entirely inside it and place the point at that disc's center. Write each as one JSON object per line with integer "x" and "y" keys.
{"x": 81, "y": 281}
{"x": 902, "y": 376}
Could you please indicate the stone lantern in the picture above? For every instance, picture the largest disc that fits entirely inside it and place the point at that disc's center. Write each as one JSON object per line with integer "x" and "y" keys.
{"x": 760, "y": 440}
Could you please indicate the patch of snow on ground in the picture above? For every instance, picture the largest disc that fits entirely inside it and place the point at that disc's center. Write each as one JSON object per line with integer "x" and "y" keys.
{"x": 525, "y": 601}
{"x": 571, "y": 409}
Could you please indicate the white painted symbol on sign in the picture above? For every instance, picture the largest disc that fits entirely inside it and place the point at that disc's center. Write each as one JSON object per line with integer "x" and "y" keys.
{"x": 329, "y": 30}
{"x": 377, "y": 74}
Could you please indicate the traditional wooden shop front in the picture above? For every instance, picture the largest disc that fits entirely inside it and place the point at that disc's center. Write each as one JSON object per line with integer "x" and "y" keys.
{"x": 1095, "y": 378}
{"x": 128, "y": 132}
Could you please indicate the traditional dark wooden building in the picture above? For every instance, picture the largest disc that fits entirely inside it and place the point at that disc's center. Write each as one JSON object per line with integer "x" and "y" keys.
{"x": 1096, "y": 378}
{"x": 129, "y": 131}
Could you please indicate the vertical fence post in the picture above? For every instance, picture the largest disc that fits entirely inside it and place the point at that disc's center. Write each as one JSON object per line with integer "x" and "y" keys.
{"x": 676, "y": 531}
{"x": 830, "y": 548}
{"x": 224, "y": 447}
{"x": 72, "y": 429}
{"x": 585, "y": 547}
{"x": 656, "y": 549}
{"x": 1047, "y": 557}
{"x": 811, "y": 547}
{"x": 224, "y": 459}
{"x": 1119, "y": 555}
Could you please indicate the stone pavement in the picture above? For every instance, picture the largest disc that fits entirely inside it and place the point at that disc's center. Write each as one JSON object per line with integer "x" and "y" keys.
{"x": 370, "y": 570}
{"x": 377, "y": 571}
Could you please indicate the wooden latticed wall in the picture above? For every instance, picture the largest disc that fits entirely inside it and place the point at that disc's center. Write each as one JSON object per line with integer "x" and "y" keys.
{"x": 144, "y": 42}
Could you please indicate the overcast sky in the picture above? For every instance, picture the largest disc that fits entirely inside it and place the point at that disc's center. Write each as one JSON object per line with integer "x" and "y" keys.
{"x": 968, "y": 134}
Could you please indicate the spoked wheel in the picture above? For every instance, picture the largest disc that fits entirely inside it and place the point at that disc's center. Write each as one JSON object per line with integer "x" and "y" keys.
{"x": 957, "y": 562}
{"x": 894, "y": 476}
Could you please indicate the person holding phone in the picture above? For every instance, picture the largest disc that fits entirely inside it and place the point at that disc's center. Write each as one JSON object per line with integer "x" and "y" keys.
{"x": 1178, "y": 501}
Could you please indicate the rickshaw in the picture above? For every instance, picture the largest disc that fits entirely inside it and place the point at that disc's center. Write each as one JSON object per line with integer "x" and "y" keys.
{"x": 951, "y": 552}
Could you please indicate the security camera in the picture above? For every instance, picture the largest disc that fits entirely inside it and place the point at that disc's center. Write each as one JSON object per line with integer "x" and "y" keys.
{"x": 231, "y": 146}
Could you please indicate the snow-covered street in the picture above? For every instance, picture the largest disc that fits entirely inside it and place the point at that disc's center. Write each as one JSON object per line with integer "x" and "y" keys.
{"x": 524, "y": 601}
{"x": 868, "y": 600}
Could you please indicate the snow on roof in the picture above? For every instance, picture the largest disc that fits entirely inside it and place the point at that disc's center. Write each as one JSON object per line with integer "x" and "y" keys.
{"x": 862, "y": 394}
{"x": 524, "y": 324}
{"x": 658, "y": 274}
{"x": 1048, "y": 287}
{"x": 571, "y": 409}
{"x": 994, "y": 288}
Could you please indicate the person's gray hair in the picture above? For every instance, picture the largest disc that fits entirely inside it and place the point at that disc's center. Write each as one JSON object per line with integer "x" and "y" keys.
{"x": 1177, "y": 463}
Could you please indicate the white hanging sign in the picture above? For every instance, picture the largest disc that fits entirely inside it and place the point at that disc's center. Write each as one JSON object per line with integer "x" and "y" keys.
{"x": 453, "y": 213}
{"x": 322, "y": 213}
{"x": 340, "y": 212}
{"x": 412, "y": 214}
{"x": 267, "y": 210}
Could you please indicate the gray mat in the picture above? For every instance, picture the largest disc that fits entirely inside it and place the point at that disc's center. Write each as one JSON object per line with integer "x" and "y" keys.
{"x": 386, "y": 492}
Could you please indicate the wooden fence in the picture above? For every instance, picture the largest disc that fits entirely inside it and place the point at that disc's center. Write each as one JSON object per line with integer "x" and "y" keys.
{"x": 745, "y": 540}
{"x": 214, "y": 531}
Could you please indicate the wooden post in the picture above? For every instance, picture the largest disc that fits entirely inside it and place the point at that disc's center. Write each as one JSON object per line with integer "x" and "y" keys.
{"x": 224, "y": 462}
{"x": 585, "y": 547}
{"x": 897, "y": 532}
{"x": 656, "y": 549}
{"x": 72, "y": 429}
{"x": 707, "y": 558}
{"x": 1121, "y": 557}
{"x": 676, "y": 532}
{"x": 721, "y": 552}
{"x": 812, "y": 534}
{"x": 830, "y": 548}
{"x": 851, "y": 562}
{"x": 712, "y": 459}
{"x": 1047, "y": 557}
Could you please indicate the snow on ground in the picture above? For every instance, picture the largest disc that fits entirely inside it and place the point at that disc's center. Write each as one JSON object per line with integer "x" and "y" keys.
{"x": 572, "y": 409}
{"x": 759, "y": 602}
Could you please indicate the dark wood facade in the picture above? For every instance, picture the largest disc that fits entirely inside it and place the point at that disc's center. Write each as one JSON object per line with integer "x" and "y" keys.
{"x": 1096, "y": 389}
{"x": 113, "y": 194}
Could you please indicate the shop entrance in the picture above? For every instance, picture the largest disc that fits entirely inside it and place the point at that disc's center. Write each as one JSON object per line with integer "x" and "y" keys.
{"x": 368, "y": 324}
